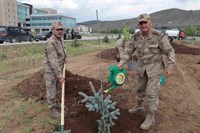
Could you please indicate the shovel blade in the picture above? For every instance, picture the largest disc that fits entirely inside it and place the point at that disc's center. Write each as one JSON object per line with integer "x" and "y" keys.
{"x": 66, "y": 131}
{"x": 62, "y": 130}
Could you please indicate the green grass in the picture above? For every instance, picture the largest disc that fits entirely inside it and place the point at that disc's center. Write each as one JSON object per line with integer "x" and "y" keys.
{"x": 87, "y": 46}
{"x": 13, "y": 94}
{"x": 24, "y": 57}
{"x": 28, "y": 130}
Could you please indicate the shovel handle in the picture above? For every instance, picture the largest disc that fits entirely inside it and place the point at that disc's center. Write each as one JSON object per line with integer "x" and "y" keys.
{"x": 63, "y": 98}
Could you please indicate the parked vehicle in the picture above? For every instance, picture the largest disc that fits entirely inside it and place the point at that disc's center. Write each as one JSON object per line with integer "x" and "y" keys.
{"x": 182, "y": 35}
{"x": 43, "y": 35}
{"x": 14, "y": 34}
{"x": 68, "y": 36}
{"x": 77, "y": 35}
{"x": 175, "y": 34}
{"x": 47, "y": 34}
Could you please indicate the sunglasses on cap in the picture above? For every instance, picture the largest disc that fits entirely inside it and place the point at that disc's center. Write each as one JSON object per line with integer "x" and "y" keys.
{"x": 59, "y": 29}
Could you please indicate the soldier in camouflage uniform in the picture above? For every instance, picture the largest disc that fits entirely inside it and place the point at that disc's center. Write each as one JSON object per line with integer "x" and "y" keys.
{"x": 119, "y": 46}
{"x": 54, "y": 60}
{"x": 150, "y": 45}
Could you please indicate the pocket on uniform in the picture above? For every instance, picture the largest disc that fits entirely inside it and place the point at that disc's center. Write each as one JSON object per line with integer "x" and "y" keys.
{"x": 138, "y": 47}
{"x": 154, "y": 48}
{"x": 50, "y": 79}
{"x": 137, "y": 44}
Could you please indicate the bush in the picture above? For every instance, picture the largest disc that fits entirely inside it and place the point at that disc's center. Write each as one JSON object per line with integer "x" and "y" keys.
{"x": 126, "y": 33}
{"x": 106, "y": 39}
{"x": 190, "y": 30}
{"x": 75, "y": 43}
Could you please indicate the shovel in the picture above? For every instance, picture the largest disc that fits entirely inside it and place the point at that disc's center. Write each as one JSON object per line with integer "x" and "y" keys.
{"x": 62, "y": 108}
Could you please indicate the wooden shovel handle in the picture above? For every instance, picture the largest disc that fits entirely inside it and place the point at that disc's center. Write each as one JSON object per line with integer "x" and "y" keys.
{"x": 63, "y": 99}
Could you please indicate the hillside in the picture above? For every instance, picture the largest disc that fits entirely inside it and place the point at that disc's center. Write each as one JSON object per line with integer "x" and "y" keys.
{"x": 171, "y": 18}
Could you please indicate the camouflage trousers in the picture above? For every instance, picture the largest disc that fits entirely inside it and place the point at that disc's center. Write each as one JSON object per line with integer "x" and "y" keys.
{"x": 148, "y": 87}
{"x": 52, "y": 88}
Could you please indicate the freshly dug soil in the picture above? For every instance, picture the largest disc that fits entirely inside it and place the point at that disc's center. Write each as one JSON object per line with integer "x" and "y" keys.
{"x": 78, "y": 118}
{"x": 111, "y": 54}
{"x": 182, "y": 49}
{"x": 34, "y": 86}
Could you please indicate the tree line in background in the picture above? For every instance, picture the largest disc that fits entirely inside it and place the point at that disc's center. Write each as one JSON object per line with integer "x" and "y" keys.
{"x": 192, "y": 30}
{"x": 189, "y": 30}
{"x": 117, "y": 31}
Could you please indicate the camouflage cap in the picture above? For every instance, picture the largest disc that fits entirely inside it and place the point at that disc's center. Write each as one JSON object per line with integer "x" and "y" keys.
{"x": 57, "y": 25}
{"x": 143, "y": 17}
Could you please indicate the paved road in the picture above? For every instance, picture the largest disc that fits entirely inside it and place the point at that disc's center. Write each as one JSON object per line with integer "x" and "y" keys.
{"x": 83, "y": 38}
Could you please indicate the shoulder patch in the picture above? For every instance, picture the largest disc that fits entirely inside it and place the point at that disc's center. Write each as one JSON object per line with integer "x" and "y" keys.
{"x": 136, "y": 36}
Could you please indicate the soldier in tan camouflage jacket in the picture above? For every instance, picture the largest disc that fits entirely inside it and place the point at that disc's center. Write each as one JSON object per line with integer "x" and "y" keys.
{"x": 54, "y": 60}
{"x": 119, "y": 46}
{"x": 150, "y": 45}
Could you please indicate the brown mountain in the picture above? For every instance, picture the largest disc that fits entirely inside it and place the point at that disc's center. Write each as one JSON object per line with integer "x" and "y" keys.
{"x": 166, "y": 18}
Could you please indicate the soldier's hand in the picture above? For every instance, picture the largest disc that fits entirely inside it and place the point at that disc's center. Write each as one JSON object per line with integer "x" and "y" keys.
{"x": 169, "y": 73}
{"x": 62, "y": 80}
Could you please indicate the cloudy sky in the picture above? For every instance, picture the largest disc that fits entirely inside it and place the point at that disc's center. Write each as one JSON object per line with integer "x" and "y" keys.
{"x": 85, "y": 10}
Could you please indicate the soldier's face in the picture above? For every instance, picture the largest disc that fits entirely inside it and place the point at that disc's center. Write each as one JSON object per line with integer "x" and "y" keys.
{"x": 58, "y": 33}
{"x": 145, "y": 26}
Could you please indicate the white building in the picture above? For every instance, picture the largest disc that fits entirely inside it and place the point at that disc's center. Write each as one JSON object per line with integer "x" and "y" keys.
{"x": 43, "y": 22}
{"x": 83, "y": 29}
{"x": 8, "y": 12}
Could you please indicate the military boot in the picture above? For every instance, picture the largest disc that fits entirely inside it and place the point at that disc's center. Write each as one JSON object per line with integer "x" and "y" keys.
{"x": 149, "y": 121}
{"x": 138, "y": 108}
{"x": 54, "y": 113}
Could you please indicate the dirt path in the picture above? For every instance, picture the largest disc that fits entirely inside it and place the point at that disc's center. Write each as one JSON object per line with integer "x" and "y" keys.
{"x": 88, "y": 65}
{"x": 179, "y": 98}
